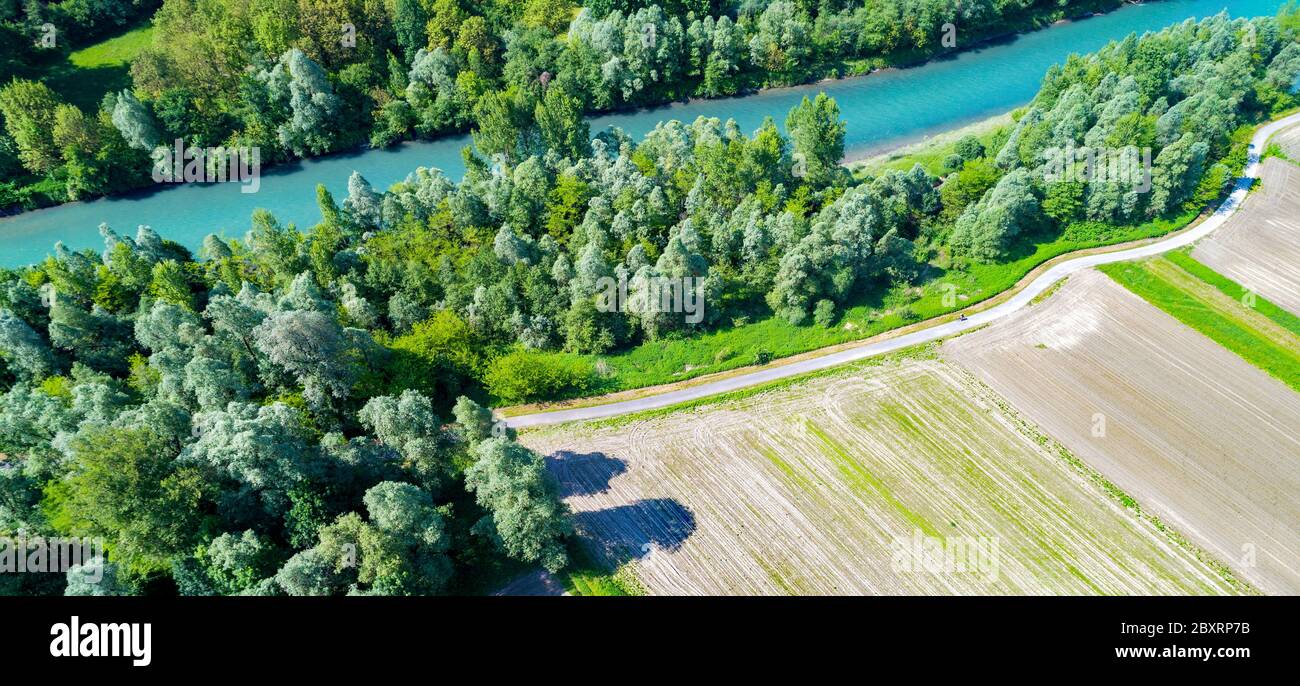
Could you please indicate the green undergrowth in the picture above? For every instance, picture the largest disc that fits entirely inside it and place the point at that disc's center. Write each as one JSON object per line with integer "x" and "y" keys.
{"x": 945, "y": 292}
{"x": 585, "y": 576}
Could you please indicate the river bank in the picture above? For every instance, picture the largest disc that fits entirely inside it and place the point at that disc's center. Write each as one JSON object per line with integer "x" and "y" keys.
{"x": 928, "y": 151}
{"x": 40, "y": 193}
{"x": 890, "y": 108}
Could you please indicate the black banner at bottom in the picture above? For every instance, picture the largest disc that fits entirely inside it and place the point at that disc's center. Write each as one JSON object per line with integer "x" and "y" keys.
{"x": 528, "y": 636}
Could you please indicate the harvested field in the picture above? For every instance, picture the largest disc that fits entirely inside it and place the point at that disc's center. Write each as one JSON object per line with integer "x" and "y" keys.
{"x": 1260, "y": 246}
{"x": 1196, "y": 434}
{"x": 1289, "y": 141}
{"x": 827, "y": 486}
{"x": 1233, "y": 321}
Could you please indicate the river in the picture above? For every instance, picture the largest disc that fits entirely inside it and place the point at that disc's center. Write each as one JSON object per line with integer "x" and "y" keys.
{"x": 883, "y": 110}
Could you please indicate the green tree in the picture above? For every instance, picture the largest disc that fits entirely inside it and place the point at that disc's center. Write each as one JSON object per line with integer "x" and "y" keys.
{"x": 440, "y": 357}
{"x": 134, "y": 123}
{"x": 264, "y": 447}
{"x": 1064, "y": 201}
{"x": 552, "y": 15}
{"x": 126, "y": 486}
{"x": 305, "y": 108}
{"x": 497, "y": 133}
{"x": 313, "y": 347}
{"x": 525, "y": 514}
{"x": 170, "y": 283}
{"x": 817, "y": 133}
{"x": 562, "y": 127}
{"x": 987, "y": 229}
{"x": 22, "y": 349}
{"x": 970, "y": 148}
{"x": 966, "y": 187}
{"x": 409, "y": 18}
{"x": 781, "y": 42}
{"x": 29, "y": 110}
{"x": 566, "y": 206}
{"x": 408, "y": 424}
{"x": 474, "y": 421}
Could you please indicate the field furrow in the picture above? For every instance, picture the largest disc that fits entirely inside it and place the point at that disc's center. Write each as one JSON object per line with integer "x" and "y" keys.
{"x": 1259, "y": 247}
{"x": 824, "y": 487}
{"x": 1191, "y": 430}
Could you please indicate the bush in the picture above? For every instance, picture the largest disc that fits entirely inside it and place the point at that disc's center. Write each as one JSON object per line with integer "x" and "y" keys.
{"x": 824, "y": 313}
{"x": 965, "y": 188}
{"x": 762, "y": 357}
{"x": 1065, "y": 201}
{"x": 524, "y": 375}
{"x": 439, "y": 358}
{"x": 970, "y": 148}
{"x": 1212, "y": 186}
{"x": 9, "y": 194}
{"x": 44, "y": 193}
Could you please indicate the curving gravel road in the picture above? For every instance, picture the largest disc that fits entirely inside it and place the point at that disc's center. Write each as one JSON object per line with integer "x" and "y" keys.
{"x": 1017, "y": 302}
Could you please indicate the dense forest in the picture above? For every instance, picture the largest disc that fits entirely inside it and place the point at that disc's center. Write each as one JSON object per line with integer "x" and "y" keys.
{"x": 303, "y": 411}
{"x": 306, "y": 77}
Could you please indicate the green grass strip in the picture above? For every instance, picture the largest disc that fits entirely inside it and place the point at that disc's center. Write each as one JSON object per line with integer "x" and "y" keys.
{"x": 1232, "y": 289}
{"x": 922, "y": 351}
{"x": 1234, "y": 333}
{"x": 115, "y": 51}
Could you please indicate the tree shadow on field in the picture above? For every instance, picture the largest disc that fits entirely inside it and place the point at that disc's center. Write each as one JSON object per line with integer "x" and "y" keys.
{"x": 636, "y": 531}
{"x": 584, "y": 473}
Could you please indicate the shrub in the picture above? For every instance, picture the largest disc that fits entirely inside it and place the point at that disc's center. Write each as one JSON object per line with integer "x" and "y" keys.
{"x": 524, "y": 375}
{"x": 57, "y": 387}
{"x": 438, "y": 358}
{"x": 824, "y": 313}
{"x": 970, "y": 148}
{"x": 1211, "y": 187}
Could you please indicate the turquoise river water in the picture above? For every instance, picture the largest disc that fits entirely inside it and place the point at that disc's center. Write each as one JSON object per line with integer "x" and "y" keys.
{"x": 883, "y": 110}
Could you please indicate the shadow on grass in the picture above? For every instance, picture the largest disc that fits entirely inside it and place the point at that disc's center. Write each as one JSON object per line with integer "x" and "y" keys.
{"x": 85, "y": 86}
